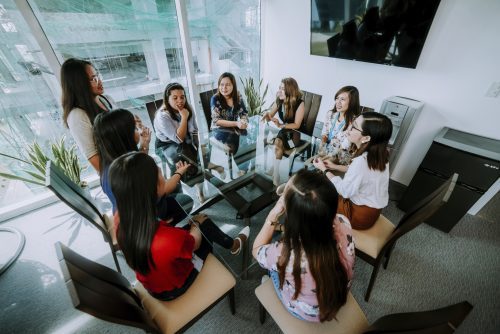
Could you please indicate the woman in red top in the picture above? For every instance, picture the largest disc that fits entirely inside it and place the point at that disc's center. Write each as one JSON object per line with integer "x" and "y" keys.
{"x": 161, "y": 255}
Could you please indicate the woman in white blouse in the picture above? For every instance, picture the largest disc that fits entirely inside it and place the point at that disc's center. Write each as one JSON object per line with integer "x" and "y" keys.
{"x": 364, "y": 189}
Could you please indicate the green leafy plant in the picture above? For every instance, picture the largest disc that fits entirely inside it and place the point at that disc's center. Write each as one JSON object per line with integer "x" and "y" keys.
{"x": 64, "y": 157}
{"x": 255, "y": 100}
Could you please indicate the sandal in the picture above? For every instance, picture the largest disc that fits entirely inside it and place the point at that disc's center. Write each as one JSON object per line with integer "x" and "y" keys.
{"x": 242, "y": 238}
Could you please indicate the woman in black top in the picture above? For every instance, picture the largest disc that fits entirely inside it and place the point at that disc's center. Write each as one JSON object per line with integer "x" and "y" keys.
{"x": 290, "y": 108}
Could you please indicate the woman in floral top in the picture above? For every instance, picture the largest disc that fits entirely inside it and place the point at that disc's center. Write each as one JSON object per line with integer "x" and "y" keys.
{"x": 336, "y": 146}
{"x": 228, "y": 109}
{"x": 312, "y": 266}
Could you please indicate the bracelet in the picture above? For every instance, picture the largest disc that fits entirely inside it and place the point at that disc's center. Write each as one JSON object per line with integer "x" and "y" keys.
{"x": 326, "y": 172}
{"x": 180, "y": 175}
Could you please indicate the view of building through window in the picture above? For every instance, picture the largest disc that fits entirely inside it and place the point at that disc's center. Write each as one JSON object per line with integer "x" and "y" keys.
{"x": 134, "y": 44}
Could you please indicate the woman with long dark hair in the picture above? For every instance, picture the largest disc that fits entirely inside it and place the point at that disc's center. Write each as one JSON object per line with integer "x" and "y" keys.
{"x": 364, "y": 189}
{"x": 161, "y": 255}
{"x": 336, "y": 146}
{"x": 116, "y": 134}
{"x": 175, "y": 124}
{"x": 312, "y": 265}
{"x": 290, "y": 108}
{"x": 228, "y": 109}
{"x": 82, "y": 101}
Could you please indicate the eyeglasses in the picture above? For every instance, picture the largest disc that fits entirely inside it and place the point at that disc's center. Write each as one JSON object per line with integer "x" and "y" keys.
{"x": 355, "y": 128}
{"x": 96, "y": 78}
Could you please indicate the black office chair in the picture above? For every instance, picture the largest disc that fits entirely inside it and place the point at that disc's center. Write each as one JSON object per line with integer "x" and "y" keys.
{"x": 312, "y": 103}
{"x": 377, "y": 243}
{"x": 205, "y": 104}
{"x": 107, "y": 295}
{"x": 73, "y": 195}
{"x": 152, "y": 107}
{"x": 350, "y": 319}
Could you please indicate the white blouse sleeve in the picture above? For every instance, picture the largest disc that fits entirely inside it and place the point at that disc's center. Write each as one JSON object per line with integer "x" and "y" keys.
{"x": 349, "y": 185}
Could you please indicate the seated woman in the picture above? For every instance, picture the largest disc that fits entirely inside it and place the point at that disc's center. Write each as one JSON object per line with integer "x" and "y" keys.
{"x": 312, "y": 266}
{"x": 228, "y": 109}
{"x": 336, "y": 148}
{"x": 175, "y": 125}
{"x": 290, "y": 108}
{"x": 82, "y": 101}
{"x": 364, "y": 189}
{"x": 115, "y": 134}
{"x": 161, "y": 255}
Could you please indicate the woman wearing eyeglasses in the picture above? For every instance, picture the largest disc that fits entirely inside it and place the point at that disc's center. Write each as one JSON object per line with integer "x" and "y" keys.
{"x": 82, "y": 101}
{"x": 336, "y": 148}
{"x": 364, "y": 190}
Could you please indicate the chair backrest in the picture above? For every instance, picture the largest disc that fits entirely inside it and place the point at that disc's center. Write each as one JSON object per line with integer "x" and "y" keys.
{"x": 205, "y": 104}
{"x": 101, "y": 292}
{"x": 72, "y": 194}
{"x": 440, "y": 321}
{"x": 422, "y": 211}
{"x": 152, "y": 107}
{"x": 312, "y": 103}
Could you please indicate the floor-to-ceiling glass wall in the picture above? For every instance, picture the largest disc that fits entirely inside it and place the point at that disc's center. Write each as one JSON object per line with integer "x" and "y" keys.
{"x": 134, "y": 44}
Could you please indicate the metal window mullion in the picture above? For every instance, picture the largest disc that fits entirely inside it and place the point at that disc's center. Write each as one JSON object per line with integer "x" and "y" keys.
{"x": 181, "y": 11}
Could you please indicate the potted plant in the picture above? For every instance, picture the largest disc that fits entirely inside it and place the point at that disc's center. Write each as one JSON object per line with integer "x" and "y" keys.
{"x": 64, "y": 157}
{"x": 255, "y": 101}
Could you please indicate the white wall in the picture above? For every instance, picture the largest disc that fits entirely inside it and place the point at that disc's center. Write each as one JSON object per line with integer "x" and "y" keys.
{"x": 459, "y": 62}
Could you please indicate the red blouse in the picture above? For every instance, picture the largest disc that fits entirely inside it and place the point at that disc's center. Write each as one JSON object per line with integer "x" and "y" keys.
{"x": 172, "y": 250}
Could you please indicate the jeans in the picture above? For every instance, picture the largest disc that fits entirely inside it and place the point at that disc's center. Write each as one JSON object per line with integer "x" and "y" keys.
{"x": 276, "y": 282}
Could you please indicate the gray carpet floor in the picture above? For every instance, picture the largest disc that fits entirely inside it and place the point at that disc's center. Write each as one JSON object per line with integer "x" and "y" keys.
{"x": 428, "y": 269}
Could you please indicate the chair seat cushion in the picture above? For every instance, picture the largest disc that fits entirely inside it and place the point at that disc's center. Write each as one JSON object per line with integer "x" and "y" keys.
{"x": 351, "y": 319}
{"x": 213, "y": 281}
{"x": 372, "y": 240}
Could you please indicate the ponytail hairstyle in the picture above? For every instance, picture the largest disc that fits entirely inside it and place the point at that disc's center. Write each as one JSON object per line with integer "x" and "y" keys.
{"x": 76, "y": 89}
{"x": 311, "y": 207}
{"x": 133, "y": 178}
{"x": 114, "y": 135}
{"x": 292, "y": 95}
{"x": 353, "y": 109}
{"x": 379, "y": 128}
{"x": 235, "y": 95}
{"x": 167, "y": 107}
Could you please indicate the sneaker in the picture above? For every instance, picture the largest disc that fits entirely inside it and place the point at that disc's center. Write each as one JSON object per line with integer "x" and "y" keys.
{"x": 242, "y": 238}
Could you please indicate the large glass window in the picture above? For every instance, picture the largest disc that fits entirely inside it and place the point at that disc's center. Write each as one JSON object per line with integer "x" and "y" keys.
{"x": 134, "y": 44}
{"x": 225, "y": 37}
{"x": 29, "y": 109}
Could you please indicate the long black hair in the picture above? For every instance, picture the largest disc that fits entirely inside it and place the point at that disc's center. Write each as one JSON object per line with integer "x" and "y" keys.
{"x": 114, "y": 135}
{"x": 235, "y": 95}
{"x": 76, "y": 89}
{"x": 166, "y": 106}
{"x": 311, "y": 206}
{"x": 353, "y": 109}
{"x": 133, "y": 178}
{"x": 379, "y": 128}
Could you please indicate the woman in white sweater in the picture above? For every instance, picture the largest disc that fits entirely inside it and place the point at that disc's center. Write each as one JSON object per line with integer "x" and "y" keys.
{"x": 364, "y": 190}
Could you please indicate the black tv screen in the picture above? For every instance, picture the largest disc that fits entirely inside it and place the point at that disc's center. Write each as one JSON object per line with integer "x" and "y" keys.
{"x": 390, "y": 32}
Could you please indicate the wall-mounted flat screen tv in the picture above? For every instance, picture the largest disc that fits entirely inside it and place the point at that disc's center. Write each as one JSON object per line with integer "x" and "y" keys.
{"x": 390, "y": 32}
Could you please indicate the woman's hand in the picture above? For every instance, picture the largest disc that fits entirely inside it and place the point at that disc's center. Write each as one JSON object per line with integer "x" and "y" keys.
{"x": 199, "y": 218}
{"x": 276, "y": 122}
{"x": 241, "y": 125}
{"x": 319, "y": 164}
{"x": 330, "y": 165}
{"x": 145, "y": 138}
{"x": 277, "y": 211}
{"x": 266, "y": 117}
{"x": 182, "y": 167}
{"x": 184, "y": 113}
